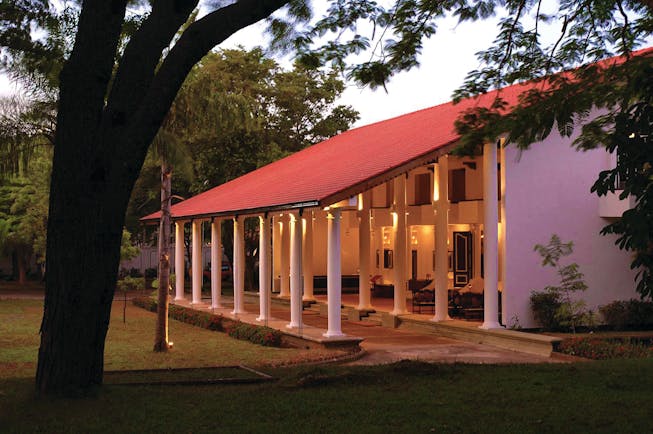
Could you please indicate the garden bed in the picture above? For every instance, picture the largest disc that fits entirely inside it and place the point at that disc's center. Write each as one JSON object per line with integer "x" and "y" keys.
{"x": 608, "y": 346}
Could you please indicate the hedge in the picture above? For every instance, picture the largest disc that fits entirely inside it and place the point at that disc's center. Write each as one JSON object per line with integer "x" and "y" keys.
{"x": 261, "y": 335}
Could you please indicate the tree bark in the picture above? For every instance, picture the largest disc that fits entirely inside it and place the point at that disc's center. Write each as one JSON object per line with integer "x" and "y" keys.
{"x": 161, "y": 335}
{"x": 21, "y": 262}
{"x": 102, "y": 136}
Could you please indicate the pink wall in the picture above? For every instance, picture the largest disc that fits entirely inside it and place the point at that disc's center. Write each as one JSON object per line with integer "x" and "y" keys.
{"x": 548, "y": 191}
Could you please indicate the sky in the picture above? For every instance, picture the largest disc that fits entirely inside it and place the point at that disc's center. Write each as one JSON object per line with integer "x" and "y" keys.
{"x": 446, "y": 59}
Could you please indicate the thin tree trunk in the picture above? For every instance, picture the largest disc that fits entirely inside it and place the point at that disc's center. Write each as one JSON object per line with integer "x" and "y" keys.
{"x": 21, "y": 262}
{"x": 161, "y": 335}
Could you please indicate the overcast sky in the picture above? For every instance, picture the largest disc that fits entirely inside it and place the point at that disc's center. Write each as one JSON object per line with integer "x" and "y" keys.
{"x": 446, "y": 59}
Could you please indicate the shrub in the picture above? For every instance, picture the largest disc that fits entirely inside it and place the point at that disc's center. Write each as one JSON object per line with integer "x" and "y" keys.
{"x": 601, "y": 349}
{"x": 569, "y": 313}
{"x": 155, "y": 283}
{"x": 130, "y": 284}
{"x": 545, "y": 305}
{"x": 632, "y": 313}
{"x": 256, "y": 334}
{"x": 146, "y": 303}
{"x": 150, "y": 273}
{"x": 265, "y": 336}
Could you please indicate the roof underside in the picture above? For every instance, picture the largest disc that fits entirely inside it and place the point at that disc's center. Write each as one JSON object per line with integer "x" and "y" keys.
{"x": 341, "y": 166}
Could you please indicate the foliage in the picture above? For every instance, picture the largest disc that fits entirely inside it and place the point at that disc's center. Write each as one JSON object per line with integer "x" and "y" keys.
{"x": 260, "y": 335}
{"x": 265, "y": 336}
{"x": 127, "y": 249}
{"x": 631, "y": 314}
{"x": 610, "y": 103}
{"x": 155, "y": 282}
{"x": 24, "y": 210}
{"x": 129, "y": 283}
{"x": 601, "y": 349}
{"x": 545, "y": 305}
{"x": 631, "y": 139}
{"x": 569, "y": 312}
{"x": 239, "y": 110}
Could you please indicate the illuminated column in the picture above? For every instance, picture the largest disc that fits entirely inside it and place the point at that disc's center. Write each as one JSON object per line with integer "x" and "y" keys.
{"x": 490, "y": 240}
{"x": 196, "y": 274}
{"x": 334, "y": 274}
{"x": 239, "y": 265}
{"x": 264, "y": 275}
{"x": 441, "y": 234}
{"x": 295, "y": 271}
{"x": 399, "y": 227}
{"x": 179, "y": 260}
{"x": 307, "y": 256}
{"x": 285, "y": 256}
{"x": 216, "y": 263}
{"x": 364, "y": 297}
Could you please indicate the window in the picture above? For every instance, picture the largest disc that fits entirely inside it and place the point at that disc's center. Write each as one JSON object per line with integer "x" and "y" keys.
{"x": 422, "y": 189}
{"x": 456, "y": 185}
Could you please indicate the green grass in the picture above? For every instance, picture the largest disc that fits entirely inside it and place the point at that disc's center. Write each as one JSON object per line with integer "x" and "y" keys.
{"x": 129, "y": 345}
{"x": 606, "y": 396}
{"x": 407, "y": 397}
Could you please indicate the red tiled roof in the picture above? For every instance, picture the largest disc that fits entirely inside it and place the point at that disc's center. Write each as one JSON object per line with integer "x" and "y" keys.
{"x": 343, "y": 165}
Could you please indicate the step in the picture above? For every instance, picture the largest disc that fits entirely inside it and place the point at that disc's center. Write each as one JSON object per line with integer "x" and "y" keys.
{"x": 373, "y": 317}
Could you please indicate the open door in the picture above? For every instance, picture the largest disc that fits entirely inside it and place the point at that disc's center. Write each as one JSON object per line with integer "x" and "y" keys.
{"x": 462, "y": 258}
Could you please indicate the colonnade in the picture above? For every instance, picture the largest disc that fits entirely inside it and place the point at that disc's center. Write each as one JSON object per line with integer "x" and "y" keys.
{"x": 296, "y": 246}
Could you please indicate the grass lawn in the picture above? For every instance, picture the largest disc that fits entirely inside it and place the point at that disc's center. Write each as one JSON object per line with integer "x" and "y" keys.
{"x": 607, "y": 396}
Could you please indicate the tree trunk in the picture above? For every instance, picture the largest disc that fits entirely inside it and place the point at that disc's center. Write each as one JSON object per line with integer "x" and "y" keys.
{"x": 83, "y": 259}
{"x": 161, "y": 335}
{"x": 22, "y": 268}
{"x": 105, "y": 123}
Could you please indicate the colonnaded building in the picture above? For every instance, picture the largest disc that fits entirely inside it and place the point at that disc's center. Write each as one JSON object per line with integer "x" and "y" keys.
{"x": 388, "y": 213}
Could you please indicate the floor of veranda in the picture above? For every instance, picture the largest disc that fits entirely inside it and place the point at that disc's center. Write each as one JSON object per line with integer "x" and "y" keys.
{"x": 416, "y": 336}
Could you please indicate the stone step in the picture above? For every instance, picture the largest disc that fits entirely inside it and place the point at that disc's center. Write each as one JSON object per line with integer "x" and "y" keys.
{"x": 373, "y": 317}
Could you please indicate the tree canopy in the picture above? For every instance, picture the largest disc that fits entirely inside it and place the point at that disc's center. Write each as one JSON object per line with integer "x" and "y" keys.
{"x": 125, "y": 67}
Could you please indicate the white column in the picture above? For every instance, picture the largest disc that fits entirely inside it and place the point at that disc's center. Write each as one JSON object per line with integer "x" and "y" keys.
{"x": 276, "y": 253}
{"x": 179, "y": 260}
{"x": 476, "y": 234}
{"x": 295, "y": 271}
{"x": 307, "y": 256}
{"x": 216, "y": 264}
{"x": 399, "y": 227}
{"x": 285, "y": 256}
{"x": 334, "y": 274}
{"x": 441, "y": 234}
{"x": 196, "y": 274}
{"x": 264, "y": 264}
{"x": 239, "y": 266}
{"x": 364, "y": 296}
{"x": 490, "y": 240}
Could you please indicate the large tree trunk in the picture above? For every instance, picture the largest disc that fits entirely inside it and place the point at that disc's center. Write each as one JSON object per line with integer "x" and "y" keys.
{"x": 105, "y": 123}
{"x": 161, "y": 334}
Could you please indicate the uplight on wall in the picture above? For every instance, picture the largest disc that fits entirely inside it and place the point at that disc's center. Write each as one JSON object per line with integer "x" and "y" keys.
{"x": 413, "y": 237}
{"x": 436, "y": 182}
{"x": 395, "y": 219}
{"x": 359, "y": 199}
{"x": 386, "y": 236}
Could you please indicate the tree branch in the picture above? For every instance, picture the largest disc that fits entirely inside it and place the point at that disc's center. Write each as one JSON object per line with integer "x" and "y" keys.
{"x": 92, "y": 57}
{"x": 142, "y": 55}
{"x": 198, "y": 39}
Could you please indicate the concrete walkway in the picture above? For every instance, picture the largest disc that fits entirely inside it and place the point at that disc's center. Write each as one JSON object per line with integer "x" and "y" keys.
{"x": 387, "y": 345}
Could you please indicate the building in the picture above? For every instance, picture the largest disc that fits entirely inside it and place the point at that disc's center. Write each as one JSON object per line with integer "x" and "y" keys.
{"x": 389, "y": 203}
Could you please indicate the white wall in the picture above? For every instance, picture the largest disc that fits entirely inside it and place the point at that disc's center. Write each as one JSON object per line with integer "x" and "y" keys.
{"x": 547, "y": 192}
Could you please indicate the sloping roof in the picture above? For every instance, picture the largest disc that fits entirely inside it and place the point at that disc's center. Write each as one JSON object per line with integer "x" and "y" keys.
{"x": 341, "y": 166}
